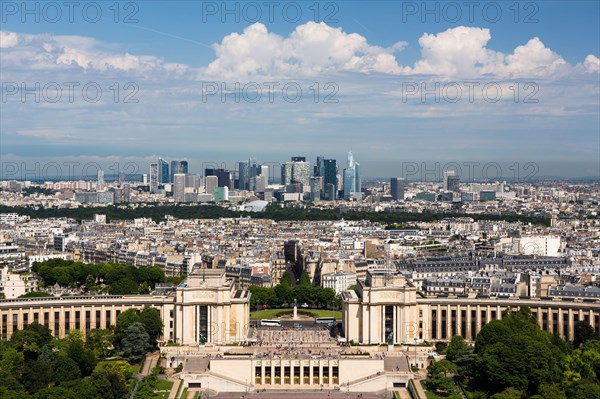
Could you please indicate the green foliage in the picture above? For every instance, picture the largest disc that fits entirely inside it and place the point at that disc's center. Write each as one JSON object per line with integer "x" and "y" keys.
{"x": 583, "y": 332}
{"x": 152, "y": 322}
{"x": 146, "y": 388}
{"x": 65, "y": 369}
{"x": 115, "y": 278}
{"x": 282, "y": 293}
{"x": 99, "y": 341}
{"x": 509, "y": 393}
{"x": 456, "y": 348}
{"x": 515, "y": 353}
{"x": 135, "y": 343}
{"x": 35, "y": 294}
{"x": 305, "y": 280}
{"x": 157, "y": 212}
{"x": 148, "y": 317}
{"x": 440, "y": 378}
{"x": 33, "y": 365}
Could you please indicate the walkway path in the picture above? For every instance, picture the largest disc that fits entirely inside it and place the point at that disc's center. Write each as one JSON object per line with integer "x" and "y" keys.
{"x": 420, "y": 389}
{"x": 174, "y": 389}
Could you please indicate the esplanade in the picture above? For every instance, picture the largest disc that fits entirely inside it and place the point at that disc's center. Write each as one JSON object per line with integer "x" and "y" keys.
{"x": 208, "y": 317}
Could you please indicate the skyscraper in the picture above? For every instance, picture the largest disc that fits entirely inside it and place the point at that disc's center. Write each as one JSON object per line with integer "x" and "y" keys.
{"x": 153, "y": 177}
{"x": 178, "y": 167}
{"x": 210, "y": 183}
{"x": 163, "y": 171}
{"x": 244, "y": 175}
{"x": 179, "y": 187}
{"x": 330, "y": 175}
{"x": 223, "y": 176}
{"x": 397, "y": 188}
{"x": 320, "y": 166}
{"x": 352, "y": 182}
{"x": 315, "y": 187}
{"x": 100, "y": 181}
{"x": 296, "y": 171}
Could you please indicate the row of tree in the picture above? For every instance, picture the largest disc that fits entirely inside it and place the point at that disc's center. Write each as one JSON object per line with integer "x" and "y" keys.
{"x": 285, "y": 292}
{"x": 273, "y": 211}
{"x": 514, "y": 359}
{"x": 113, "y": 278}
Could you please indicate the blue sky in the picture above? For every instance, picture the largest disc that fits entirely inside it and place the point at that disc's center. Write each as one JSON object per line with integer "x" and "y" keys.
{"x": 364, "y": 69}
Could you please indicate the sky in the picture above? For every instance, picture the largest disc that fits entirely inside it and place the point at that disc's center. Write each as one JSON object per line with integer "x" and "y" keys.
{"x": 500, "y": 88}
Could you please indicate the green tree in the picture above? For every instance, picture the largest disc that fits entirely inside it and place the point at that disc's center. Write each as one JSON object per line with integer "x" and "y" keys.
{"x": 108, "y": 385}
{"x": 456, "y": 348}
{"x": 7, "y": 393}
{"x": 13, "y": 362}
{"x": 509, "y": 393}
{"x": 584, "y": 389}
{"x": 305, "y": 280}
{"x": 583, "y": 331}
{"x": 56, "y": 393}
{"x": 135, "y": 344}
{"x": 99, "y": 341}
{"x": 124, "y": 320}
{"x": 440, "y": 377}
{"x": 35, "y": 294}
{"x": 83, "y": 357}
{"x": 152, "y": 322}
{"x": 125, "y": 286}
{"x": 515, "y": 353}
{"x": 550, "y": 391}
{"x": 64, "y": 369}
{"x": 36, "y": 375}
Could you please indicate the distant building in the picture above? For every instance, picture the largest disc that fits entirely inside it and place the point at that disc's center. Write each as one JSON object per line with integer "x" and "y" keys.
{"x": 487, "y": 195}
{"x": 451, "y": 181}
{"x": 179, "y": 187}
{"x": 397, "y": 188}
{"x": 163, "y": 172}
{"x": 221, "y": 194}
{"x": 339, "y": 281}
{"x": 352, "y": 180}
{"x": 210, "y": 183}
{"x": 153, "y": 177}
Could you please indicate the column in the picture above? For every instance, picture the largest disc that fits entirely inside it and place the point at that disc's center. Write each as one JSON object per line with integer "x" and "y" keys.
{"x": 262, "y": 374}
{"x": 469, "y": 333}
{"x": 477, "y": 320}
{"x": 438, "y": 323}
{"x": 301, "y": 373}
{"x": 459, "y": 320}
{"x": 272, "y": 373}
{"x": 448, "y": 322}
{"x": 291, "y": 372}
{"x": 561, "y": 324}
{"x": 571, "y": 329}
{"x": 320, "y": 373}
{"x": 330, "y": 368}
{"x": 310, "y": 373}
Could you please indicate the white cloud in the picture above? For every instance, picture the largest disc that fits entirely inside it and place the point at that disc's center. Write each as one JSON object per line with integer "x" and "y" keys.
{"x": 8, "y": 39}
{"x": 44, "y": 51}
{"x": 592, "y": 64}
{"x": 312, "y": 48}
{"x": 456, "y": 51}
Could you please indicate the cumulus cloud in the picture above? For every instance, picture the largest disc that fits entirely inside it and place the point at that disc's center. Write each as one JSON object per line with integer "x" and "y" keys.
{"x": 312, "y": 48}
{"x": 592, "y": 64}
